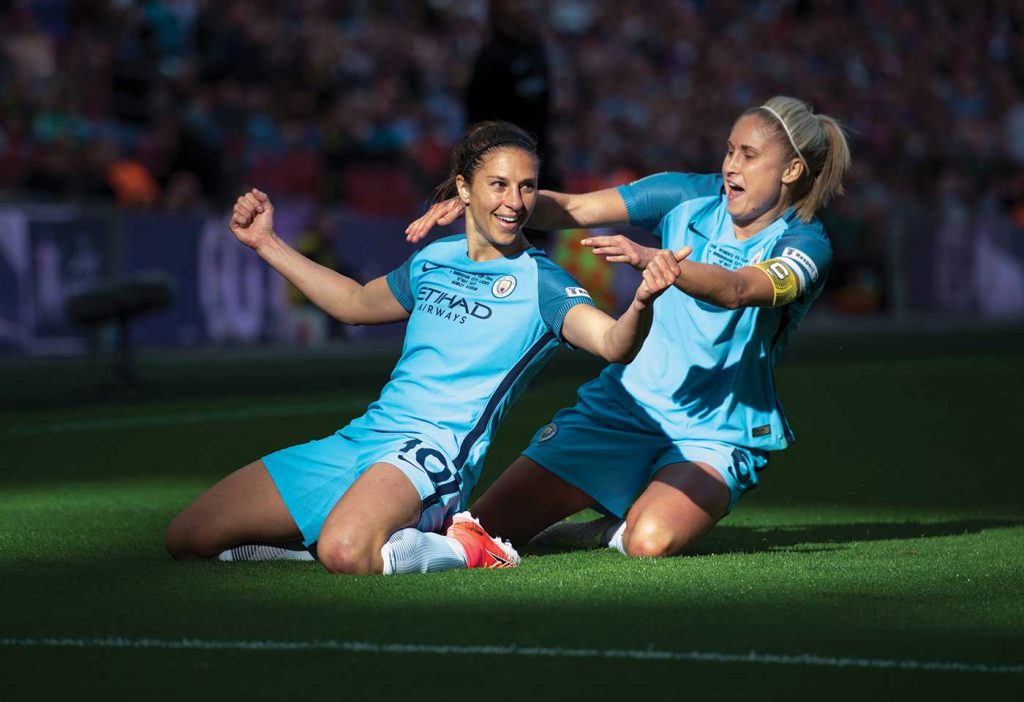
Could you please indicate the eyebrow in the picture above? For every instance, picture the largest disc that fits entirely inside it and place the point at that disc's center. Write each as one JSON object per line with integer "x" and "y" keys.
{"x": 495, "y": 176}
{"x": 729, "y": 144}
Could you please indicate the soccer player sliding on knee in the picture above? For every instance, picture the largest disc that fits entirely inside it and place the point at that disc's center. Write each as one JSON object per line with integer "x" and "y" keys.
{"x": 667, "y": 444}
{"x": 387, "y": 492}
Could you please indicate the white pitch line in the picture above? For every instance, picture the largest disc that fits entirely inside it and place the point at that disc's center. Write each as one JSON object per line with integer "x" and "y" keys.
{"x": 163, "y": 420}
{"x": 753, "y": 657}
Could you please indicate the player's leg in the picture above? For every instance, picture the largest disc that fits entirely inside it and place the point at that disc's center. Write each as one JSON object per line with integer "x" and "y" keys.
{"x": 682, "y": 502}
{"x": 525, "y": 499}
{"x": 386, "y": 522}
{"x": 593, "y": 453}
{"x": 379, "y": 503}
{"x": 243, "y": 507}
{"x": 695, "y": 484}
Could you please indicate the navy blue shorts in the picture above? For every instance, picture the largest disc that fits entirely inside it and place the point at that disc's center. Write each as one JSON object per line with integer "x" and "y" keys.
{"x": 610, "y": 454}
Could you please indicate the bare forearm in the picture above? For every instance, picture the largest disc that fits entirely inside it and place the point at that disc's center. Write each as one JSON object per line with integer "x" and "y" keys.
{"x": 325, "y": 288}
{"x": 720, "y": 286}
{"x": 623, "y": 339}
{"x": 619, "y": 340}
{"x": 556, "y": 210}
{"x": 552, "y": 212}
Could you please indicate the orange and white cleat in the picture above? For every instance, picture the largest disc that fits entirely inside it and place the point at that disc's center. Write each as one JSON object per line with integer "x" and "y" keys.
{"x": 482, "y": 550}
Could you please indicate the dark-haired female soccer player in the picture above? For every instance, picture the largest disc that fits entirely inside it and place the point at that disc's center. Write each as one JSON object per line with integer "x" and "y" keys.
{"x": 484, "y": 311}
{"x": 669, "y": 442}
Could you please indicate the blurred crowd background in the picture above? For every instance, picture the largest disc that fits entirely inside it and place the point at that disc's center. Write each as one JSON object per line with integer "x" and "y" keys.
{"x": 178, "y": 105}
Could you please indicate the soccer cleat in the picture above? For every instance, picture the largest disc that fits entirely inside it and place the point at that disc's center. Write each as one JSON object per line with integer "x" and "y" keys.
{"x": 482, "y": 550}
{"x": 577, "y": 536}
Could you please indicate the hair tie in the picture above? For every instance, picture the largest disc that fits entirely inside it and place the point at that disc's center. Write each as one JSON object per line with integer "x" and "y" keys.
{"x": 789, "y": 134}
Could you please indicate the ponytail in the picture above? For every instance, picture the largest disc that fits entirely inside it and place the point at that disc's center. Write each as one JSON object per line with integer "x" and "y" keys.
{"x": 818, "y": 141}
{"x": 829, "y": 181}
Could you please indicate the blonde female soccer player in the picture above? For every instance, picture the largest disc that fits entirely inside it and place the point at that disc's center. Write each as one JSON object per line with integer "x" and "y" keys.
{"x": 668, "y": 443}
{"x": 484, "y": 311}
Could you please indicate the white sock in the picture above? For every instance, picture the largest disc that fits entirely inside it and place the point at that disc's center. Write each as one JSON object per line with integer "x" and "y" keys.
{"x": 415, "y": 551}
{"x": 264, "y": 552}
{"x": 616, "y": 540}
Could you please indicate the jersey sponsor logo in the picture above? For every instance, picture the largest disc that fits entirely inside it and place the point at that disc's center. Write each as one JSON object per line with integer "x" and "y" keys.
{"x": 577, "y": 292}
{"x": 450, "y": 306}
{"x": 547, "y": 432}
{"x": 803, "y": 259}
{"x": 503, "y": 286}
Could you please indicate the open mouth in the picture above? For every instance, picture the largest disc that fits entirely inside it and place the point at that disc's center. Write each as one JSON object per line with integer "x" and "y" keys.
{"x": 508, "y": 222}
{"x": 732, "y": 190}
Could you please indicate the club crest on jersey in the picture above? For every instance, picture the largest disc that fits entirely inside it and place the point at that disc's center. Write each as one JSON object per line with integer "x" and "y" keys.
{"x": 503, "y": 286}
{"x": 547, "y": 432}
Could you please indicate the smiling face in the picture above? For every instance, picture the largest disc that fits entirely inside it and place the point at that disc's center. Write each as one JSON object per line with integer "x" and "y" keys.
{"x": 759, "y": 178}
{"x": 499, "y": 200}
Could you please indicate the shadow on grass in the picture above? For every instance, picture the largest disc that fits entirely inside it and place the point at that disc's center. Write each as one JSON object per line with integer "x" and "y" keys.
{"x": 819, "y": 537}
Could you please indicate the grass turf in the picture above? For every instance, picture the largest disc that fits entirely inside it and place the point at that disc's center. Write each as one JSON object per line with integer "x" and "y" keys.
{"x": 893, "y": 529}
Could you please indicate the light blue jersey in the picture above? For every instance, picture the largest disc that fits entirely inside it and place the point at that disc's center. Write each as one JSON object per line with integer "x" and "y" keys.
{"x": 478, "y": 332}
{"x": 704, "y": 372}
{"x": 701, "y": 388}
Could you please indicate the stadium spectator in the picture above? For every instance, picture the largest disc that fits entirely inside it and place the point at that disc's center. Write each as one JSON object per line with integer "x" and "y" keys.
{"x": 511, "y": 81}
{"x": 667, "y": 444}
{"x": 485, "y": 310}
{"x": 343, "y": 85}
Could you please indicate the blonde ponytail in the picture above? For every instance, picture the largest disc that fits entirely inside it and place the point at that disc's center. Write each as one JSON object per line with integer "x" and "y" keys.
{"x": 818, "y": 141}
{"x": 829, "y": 181}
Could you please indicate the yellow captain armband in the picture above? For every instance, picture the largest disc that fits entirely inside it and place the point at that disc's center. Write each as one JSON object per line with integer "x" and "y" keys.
{"x": 784, "y": 280}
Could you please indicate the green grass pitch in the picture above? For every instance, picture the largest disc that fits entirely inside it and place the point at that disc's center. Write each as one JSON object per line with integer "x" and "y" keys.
{"x": 882, "y": 556}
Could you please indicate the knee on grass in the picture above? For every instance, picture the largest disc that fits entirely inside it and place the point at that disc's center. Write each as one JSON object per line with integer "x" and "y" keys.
{"x": 650, "y": 539}
{"x": 343, "y": 554}
{"x": 184, "y": 541}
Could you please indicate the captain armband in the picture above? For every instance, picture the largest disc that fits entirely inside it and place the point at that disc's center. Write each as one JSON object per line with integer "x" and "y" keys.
{"x": 784, "y": 280}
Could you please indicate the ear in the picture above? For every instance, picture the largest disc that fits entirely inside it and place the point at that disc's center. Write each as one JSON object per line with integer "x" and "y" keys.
{"x": 793, "y": 172}
{"x": 463, "y": 188}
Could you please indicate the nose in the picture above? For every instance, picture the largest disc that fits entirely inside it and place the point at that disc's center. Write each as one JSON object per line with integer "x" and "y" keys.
{"x": 514, "y": 199}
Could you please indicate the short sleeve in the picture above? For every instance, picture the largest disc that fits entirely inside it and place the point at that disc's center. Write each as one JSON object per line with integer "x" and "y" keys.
{"x": 557, "y": 293}
{"x": 808, "y": 252}
{"x": 649, "y": 199}
{"x": 400, "y": 282}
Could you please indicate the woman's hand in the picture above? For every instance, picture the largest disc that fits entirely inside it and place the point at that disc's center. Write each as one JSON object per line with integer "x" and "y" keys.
{"x": 439, "y": 214}
{"x": 661, "y": 272}
{"x": 252, "y": 221}
{"x": 620, "y": 249}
